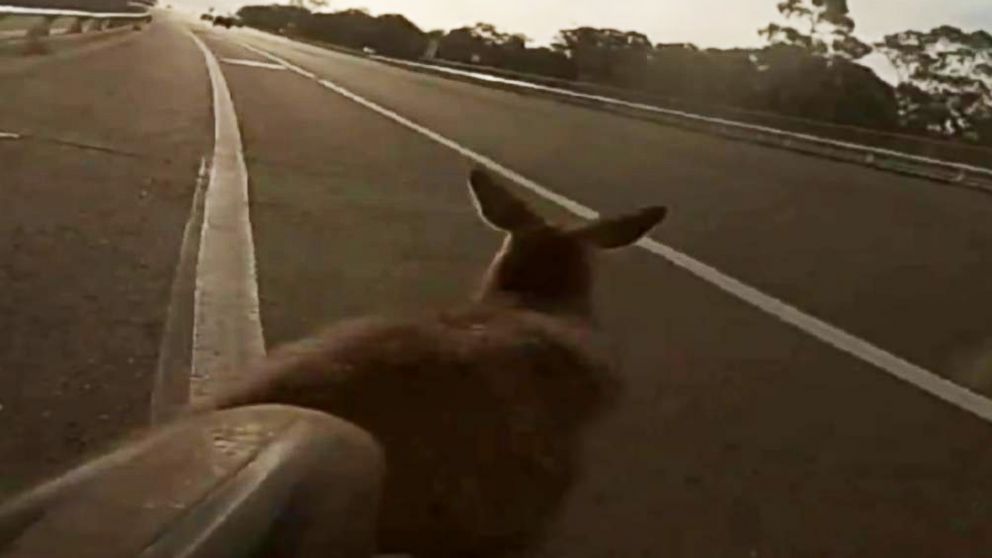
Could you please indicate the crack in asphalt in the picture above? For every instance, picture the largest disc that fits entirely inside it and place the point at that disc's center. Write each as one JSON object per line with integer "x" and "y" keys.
{"x": 76, "y": 144}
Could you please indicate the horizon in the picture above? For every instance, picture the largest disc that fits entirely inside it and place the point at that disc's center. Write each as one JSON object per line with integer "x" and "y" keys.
{"x": 663, "y": 21}
{"x": 737, "y": 26}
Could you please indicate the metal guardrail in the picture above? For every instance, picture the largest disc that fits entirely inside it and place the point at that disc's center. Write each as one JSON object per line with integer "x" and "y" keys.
{"x": 255, "y": 481}
{"x": 967, "y": 175}
{"x": 934, "y": 148}
{"x": 33, "y": 25}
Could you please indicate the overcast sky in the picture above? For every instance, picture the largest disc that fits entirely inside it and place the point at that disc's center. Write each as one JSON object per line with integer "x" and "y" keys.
{"x": 716, "y": 23}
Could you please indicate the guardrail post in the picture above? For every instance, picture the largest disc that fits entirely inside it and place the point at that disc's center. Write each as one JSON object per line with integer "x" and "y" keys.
{"x": 37, "y": 32}
{"x": 433, "y": 46}
{"x": 78, "y": 24}
{"x": 43, "y": 28}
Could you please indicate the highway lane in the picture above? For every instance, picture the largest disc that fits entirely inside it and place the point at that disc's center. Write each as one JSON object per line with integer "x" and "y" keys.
{"x": 737, "y": 435}
{"x": 898, "y": 261}
{"x": 94, "y": 199}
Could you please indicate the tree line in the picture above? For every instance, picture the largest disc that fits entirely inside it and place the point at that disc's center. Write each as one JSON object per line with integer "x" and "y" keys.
{"x": 808, "y": 68}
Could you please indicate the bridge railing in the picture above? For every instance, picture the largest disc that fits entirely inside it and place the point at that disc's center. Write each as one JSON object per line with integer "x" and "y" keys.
{"x": 33, "y": 25}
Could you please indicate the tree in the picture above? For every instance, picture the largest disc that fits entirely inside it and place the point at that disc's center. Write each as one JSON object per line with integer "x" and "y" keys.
{"x": 793, "y": 81}
{"x": 691, "y": 75}
{"x": 484, "y": 44}
{"x": 395, "y": 35}
{"x": 945, "y": 80}
{"x": 491, "y": 36}
{"x": 829, "y": 29}
{"x": 606, "y": 55}
{"x": 316, "y": 4}
{"x": 389, "y": 34}
{"x": 481, "y": 43}
{"x": 275, "y": 18}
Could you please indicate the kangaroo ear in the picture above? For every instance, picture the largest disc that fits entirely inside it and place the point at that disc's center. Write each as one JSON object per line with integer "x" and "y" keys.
{"x": 621, "y": 231}
{"x": 497, "y": 206}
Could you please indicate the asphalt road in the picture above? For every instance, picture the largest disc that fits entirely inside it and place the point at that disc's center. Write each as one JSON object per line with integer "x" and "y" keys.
{"x": 738, "y": 435}
{"x": 94, "y": 199}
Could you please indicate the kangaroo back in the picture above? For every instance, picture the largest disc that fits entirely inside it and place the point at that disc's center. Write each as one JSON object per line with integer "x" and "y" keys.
{"x": 479, "y": 409}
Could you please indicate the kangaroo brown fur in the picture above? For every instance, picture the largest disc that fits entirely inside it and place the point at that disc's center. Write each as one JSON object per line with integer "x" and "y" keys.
{"x": 478, "y": 408}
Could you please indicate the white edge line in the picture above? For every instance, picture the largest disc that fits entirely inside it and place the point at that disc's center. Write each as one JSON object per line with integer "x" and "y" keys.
{"x": 254, "y": 64}
{"x": 227, "y": 329}
{"x": 918, "y": 376}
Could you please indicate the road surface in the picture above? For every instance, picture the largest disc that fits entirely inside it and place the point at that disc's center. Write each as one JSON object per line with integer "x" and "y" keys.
{"x": 738, "y": 434}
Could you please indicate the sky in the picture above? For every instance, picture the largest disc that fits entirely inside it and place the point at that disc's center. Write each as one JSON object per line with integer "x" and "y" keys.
{"x": 707, "y": 23}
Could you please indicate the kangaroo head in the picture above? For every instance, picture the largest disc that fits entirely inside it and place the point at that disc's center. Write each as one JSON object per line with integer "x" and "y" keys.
{"x": 541, "y": 266}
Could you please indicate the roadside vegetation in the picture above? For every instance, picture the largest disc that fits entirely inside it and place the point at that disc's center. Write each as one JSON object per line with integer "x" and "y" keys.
{"x": 808, "y": 69}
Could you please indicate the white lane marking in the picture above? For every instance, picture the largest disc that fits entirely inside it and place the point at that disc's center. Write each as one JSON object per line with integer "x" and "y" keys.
{"x": 254, "y": 64}
{"x": 227, "y": 329}
{"x": 918, "y": 376}
{"x": 9, "y": 136}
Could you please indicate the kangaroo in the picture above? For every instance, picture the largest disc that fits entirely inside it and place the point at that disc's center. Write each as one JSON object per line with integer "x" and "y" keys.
{"x": 478, "y": 408}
